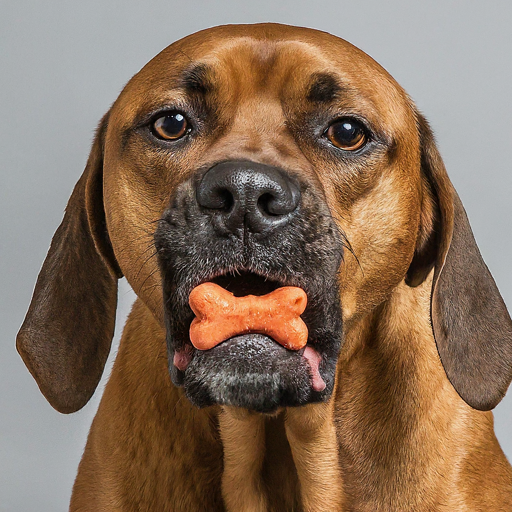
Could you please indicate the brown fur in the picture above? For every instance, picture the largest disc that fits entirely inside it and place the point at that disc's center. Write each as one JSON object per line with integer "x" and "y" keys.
{"x": 396, "y": 434}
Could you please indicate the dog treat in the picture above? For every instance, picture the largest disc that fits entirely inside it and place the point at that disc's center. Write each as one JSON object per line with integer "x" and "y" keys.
{"x": 220, "y": 315}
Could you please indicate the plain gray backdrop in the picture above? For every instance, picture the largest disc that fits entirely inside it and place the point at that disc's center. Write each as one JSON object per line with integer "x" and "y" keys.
{"x": 62, "y": 63}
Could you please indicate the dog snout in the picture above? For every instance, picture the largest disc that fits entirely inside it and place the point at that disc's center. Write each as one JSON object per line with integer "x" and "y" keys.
{"x": 248, "y": 196}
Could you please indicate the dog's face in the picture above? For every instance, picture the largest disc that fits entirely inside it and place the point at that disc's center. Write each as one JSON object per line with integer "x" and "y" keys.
{"x": 255, "y": 152}
{"x": 256, "y": 157}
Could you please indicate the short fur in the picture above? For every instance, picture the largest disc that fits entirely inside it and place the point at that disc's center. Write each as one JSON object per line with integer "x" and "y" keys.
{"x": 424, "y": 343}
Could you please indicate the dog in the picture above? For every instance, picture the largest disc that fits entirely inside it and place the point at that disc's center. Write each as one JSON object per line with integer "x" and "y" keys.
{"x": 257, "y": 157}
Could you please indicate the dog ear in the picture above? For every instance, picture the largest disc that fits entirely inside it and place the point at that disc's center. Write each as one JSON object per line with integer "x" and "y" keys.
{"x": 66, "y": 336}
{"x": 472, "y": 328}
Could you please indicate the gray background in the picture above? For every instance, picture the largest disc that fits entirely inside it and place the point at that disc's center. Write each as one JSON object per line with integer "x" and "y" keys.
{"x": 63, "y": 63}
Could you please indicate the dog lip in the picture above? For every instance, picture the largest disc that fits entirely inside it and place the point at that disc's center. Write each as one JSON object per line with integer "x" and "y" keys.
{"x": 184, "y": 356}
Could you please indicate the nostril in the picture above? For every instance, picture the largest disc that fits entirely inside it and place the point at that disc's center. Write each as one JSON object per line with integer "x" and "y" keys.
{"x": 225, "y": 200}
{"x": 215, "y": 198}
{"x": 281, "y": 201}
{"x": 265, "y": 204}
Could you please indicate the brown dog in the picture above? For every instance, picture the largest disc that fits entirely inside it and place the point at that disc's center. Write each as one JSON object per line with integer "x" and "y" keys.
{"x": 257, "y": 157}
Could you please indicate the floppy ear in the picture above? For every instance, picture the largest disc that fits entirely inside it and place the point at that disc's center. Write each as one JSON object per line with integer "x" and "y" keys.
{"x": 472, "y": 328}
{"x": 66, "y": 336}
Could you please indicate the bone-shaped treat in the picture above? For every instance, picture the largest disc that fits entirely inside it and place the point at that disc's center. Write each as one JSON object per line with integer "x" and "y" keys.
{"x": 220, "y": 315}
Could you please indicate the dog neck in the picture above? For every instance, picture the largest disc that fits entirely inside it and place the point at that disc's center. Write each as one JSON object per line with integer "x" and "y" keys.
{"x": 403, "y": 433}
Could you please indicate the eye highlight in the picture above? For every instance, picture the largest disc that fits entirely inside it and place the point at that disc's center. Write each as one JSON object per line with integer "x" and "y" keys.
{"x": 171, "y": 126}
{"x": 347, "y": 134}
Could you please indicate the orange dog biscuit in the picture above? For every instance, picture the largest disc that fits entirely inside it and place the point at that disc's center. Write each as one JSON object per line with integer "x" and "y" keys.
{"x": 220, "y": 315}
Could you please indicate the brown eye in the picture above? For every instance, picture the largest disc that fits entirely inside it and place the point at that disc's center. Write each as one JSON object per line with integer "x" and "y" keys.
{"x": 172, "y": 126}
{"x": 346, "y": 134}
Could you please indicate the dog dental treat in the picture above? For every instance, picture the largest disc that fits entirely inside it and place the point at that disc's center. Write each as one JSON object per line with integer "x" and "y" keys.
{"x": 220, "y": 315}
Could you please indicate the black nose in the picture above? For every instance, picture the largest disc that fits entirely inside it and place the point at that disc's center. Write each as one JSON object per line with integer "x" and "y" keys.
{"x": 248, "y": 195}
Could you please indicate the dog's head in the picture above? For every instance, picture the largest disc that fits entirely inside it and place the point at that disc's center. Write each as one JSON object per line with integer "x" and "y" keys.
{"x": 257, "y": 157}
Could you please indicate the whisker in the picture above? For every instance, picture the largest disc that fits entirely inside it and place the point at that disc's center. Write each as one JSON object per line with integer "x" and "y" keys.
{"x": 130, "y": 243}
{"x": 145, "y": 280}
{"x": 154, "y": 253}
{"x": 345, "y": 241}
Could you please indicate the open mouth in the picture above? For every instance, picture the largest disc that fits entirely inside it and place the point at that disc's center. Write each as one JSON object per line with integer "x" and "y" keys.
{"x": 262, "y": 357}
{"x": 239, "y": 284}
{"x": 244, "y": 283}
{"x": 253, "y": 368}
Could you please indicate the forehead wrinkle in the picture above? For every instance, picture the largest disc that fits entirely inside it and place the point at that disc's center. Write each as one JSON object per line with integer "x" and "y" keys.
{"x": 196, "y": 78}
{"x": 262, "y": 61}
{"x": 324, "y": 88}
{"x": 251, "y": 66}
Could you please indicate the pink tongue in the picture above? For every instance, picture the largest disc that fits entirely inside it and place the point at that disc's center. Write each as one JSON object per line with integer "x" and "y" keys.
{"x": 313, "y": 358}
{"x": 183, "y": 357}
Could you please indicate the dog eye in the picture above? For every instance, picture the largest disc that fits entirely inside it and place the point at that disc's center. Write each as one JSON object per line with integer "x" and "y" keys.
{"x": 347, "y": 134}
{"x": 171, "y": 126}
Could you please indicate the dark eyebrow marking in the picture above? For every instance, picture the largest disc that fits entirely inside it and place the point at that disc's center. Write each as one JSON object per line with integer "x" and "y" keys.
{"x": 324, "y": 88}
{"x": 197, "y": 79}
